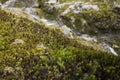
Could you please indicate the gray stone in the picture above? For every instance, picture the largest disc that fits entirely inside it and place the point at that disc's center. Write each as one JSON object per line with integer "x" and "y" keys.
{"x": 18, "y": 41}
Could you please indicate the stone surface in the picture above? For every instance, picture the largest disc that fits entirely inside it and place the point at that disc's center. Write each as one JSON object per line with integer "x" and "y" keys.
{"x": 18, "y": 41}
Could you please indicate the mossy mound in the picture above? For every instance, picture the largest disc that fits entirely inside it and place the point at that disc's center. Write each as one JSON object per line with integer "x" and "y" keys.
{"x": 30, "y": 51}
{"x": 103, "y": 20}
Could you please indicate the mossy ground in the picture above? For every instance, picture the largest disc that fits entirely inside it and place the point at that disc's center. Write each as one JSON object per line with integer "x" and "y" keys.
{"x": 62, "y": 59}
{"x": 3, "y": 1}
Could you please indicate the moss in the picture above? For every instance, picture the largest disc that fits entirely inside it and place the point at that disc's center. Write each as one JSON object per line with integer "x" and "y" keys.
{"x": 3, "y": 1}
{"x": 104, "y": 20}
{"x": 63, "y": 58}
{"x": 63, "y": 1}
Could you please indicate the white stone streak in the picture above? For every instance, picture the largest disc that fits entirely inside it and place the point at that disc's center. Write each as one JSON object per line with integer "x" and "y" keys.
{"x": 9, "y": 3}
{"x": 12, "y": 3}
{"x": 52, "y": 1}
{"x": 87, "y": 38}
{"x": 109, "y": 49}
{"x": 90, "y": 6}
{"x": 77, "y": 7}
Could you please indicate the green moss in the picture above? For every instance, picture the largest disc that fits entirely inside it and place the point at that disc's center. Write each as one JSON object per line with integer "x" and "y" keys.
{"x": 3, "y": 1}
{"x": 92, "y": 21}
{"x": 63, "y": 58}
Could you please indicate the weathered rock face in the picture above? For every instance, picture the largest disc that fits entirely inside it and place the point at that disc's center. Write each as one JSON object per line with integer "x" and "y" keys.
{"x": 95, "y": 19}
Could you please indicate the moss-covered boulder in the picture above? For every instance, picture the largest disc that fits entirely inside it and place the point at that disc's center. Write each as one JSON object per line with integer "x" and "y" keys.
{"x": 100, "y": 19}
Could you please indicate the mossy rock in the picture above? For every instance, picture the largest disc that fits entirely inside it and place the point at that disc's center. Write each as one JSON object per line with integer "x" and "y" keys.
{"x": 95, "y": 21}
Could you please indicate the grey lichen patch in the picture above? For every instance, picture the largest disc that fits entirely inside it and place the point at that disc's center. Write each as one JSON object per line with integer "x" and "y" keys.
{"x": 18, "y": 41}
{"x": 8, "y": 70}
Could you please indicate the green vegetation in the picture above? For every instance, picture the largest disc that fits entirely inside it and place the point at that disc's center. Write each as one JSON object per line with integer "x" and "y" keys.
{"x": 106, "y": 19}
{"x": 47, "y": 54}
{"x": 63, "y": 1}
{"x": 49, "y": 11}
{"x": 3, "y": 1}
